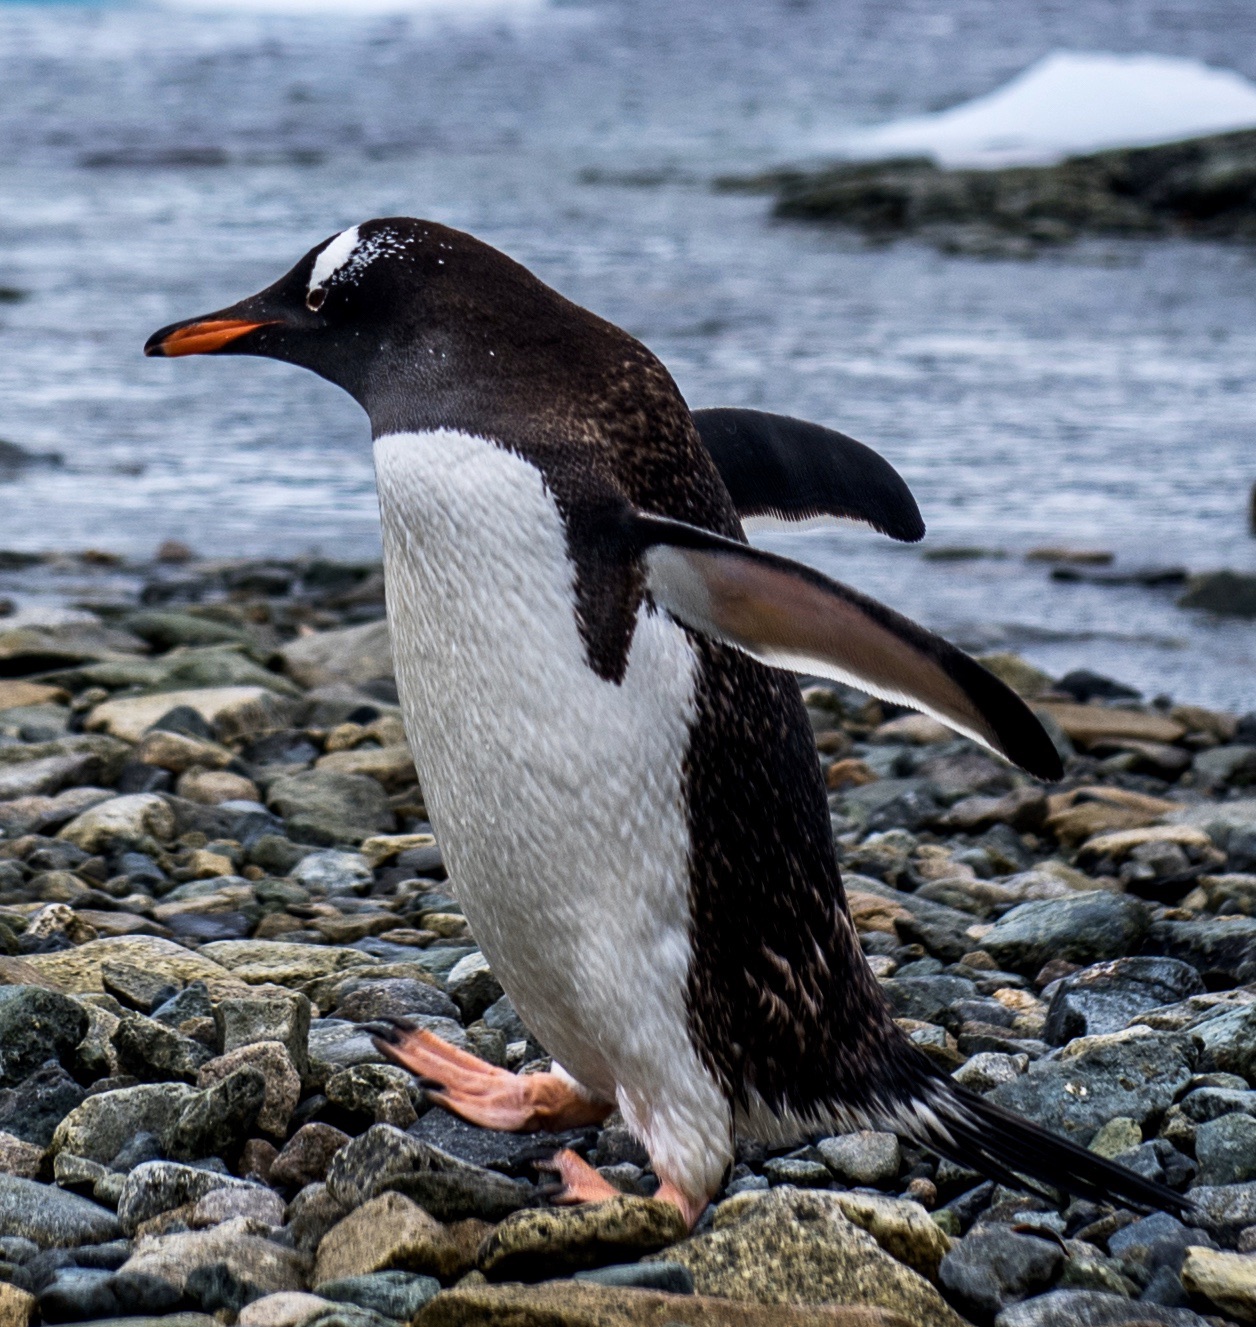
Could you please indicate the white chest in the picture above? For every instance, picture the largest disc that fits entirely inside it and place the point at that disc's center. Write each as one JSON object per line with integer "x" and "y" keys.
{"x": 558, "y": 796}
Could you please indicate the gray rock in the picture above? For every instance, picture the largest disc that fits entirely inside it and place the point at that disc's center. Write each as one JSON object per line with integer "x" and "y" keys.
{"x": 1157, "y": 1242}
{"x": 51, "y": 1217}
{"x": 1218, "y": 946}
{"x": 993, "y": 1266}
{"x": 929, "y": 999}
{"x": 75, "y": 1293}
{"x": 219, "y": 1118}
{"x": 35, "y": 1025}
{"x": 1225, "y": 1209}
{"x": 100, "y": 1127}
{"x": 311, "y": 1214}
{"x": 398, "y": 1295}
{"x": 332, "y": 872}
{"x": 1082, "y": 928}
{"x": 245, "y": 1020}
{"x": 32, "y": 1110}
{"x": 151, "y": 1050}
{"x": 1226, "y": 1150}
{"x": 456, "y": 1195}
{"x": 326, "y": 808}
{"x": 472, "y": 986}
{"x": 1093, "y": 1308}
{"x": 157, "y": 1186}
{"x": 799, "y": 1172}
{"x": 866, "y": 1157}
{"x": 1106, "y": 996}
{"x": 1228, "y": 1041}
{"x": 361, "y": 1170}
{"x": 361, "y": 1087}
{"x": 343, "y": 1044}
{"x": 1134, "y": 1073}
{"x": 1226, "y": 592}
{"x": 396, "y": 997}
{"x": 1225, "y": 764}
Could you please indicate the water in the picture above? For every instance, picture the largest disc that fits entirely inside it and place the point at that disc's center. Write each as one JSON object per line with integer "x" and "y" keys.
{"x": 1105, "y": 396}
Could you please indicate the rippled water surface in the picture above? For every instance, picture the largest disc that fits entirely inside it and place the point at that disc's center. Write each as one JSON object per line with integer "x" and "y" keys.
{"x": 157, "y": 162}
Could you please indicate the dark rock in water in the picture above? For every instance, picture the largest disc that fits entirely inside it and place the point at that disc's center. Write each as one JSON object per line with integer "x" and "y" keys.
{"x": 1135, "y": 1073}
{"x": 398, "y": 1295}
{"x": 50, "y": 1217}
{"x": 1094, "y": 1308}
{"x": 32, "y": 1110}
{"x": 1081, "y": 928}
{"x": 1106, "y": 996}
{"x": 1149, "y": 577}
{"x": 1230, "y": 593}
{"x": 1083, "y": 685}
{"x": 15, "y": 459}
{"x": 1203, "y": 187}
{"x": 34, "y": 1025}
{"x": 993, "y": 1266}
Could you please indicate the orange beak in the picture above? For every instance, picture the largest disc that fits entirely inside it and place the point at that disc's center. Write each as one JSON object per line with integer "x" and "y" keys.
{"x": 203, "y": 338}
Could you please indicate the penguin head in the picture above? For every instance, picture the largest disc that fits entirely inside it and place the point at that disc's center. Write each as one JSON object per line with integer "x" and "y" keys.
{"x": 411, "y": 318}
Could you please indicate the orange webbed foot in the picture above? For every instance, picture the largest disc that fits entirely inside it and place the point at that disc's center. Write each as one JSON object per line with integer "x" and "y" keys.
{"x": 483, "y": 1094}
{"x": 580, "y": 1182}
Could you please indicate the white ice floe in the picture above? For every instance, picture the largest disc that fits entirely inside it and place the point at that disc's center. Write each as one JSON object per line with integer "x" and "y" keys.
{"x": 1069, "y": 103}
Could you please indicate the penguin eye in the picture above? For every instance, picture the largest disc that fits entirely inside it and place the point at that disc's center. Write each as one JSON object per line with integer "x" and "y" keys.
{"x": 314, "y": 300}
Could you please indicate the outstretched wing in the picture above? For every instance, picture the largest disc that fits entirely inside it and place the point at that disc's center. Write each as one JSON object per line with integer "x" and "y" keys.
{"x": 777, "y": 466}
{"x": 789, "y": 616}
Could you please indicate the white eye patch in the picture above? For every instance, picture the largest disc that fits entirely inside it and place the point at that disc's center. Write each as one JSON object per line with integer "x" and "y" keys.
{"x": 333, "y": 257}
{"x": 350, "y": 254}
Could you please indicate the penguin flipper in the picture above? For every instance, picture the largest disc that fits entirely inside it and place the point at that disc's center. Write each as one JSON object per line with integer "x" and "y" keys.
{"x": 790, "y": 616}
{"x": 773, "y": 465}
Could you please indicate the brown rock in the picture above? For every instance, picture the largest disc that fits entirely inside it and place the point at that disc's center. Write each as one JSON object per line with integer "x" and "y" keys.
{"x": 16, "y": 694}
{"x": 17, "y": 1308}
{"x": 392, "y": 766}
{"x": 256, "y": 1160}
{"x": 1087, "y": 724}
{"x": 233, "y": 711}
{"x": 307, "y": 1154}
{"x": 849, "y": 773}
{"x": 548, "y": 1241}
{"x": 178, "y": 754}
{"x": 871, "y": 912}
{"x": 18, "y": 1157}
{"x": 212, "y": 786}
{"x": 79, "y": 970}
{"x": 1116, "y": 845}
{"x": 580, "y": 1304}
{"x": 392, "y": 1232}
{"x": 283, "y": 1082}
{"x": 918, "y": 729}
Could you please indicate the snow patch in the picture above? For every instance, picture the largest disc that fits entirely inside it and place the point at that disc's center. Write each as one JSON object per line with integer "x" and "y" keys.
{"x": 1069, "y": 103}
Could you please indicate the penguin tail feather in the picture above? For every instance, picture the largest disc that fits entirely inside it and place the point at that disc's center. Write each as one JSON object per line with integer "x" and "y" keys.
{"x": 979, "y": 1135}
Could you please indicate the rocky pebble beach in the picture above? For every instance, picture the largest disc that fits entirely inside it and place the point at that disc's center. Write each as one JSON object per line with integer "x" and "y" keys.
{"x": 217, "y": 875}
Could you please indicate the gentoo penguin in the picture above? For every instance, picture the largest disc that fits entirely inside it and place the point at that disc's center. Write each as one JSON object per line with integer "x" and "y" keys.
{"x": 596, "y": 675}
